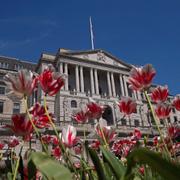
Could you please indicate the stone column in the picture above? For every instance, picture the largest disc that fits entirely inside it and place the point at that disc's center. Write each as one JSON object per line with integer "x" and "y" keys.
{"x": 135, "y": 94}
{"x": 82, "y": 79}
{"x": 92, "y": 81}
{"x": 61, "y": 67}
{"x": 125, "y": 86}
{"x": 66, "y": 73}
{"x": 96, "y": 81}
{"x": 77, "y": 78}
{"x": 139, "y": 95}
{"x": 113, "y": 85}
{"x": 109, "y": 84}
{"x": 121, "y": 85}
{"x": 61, "y": 70}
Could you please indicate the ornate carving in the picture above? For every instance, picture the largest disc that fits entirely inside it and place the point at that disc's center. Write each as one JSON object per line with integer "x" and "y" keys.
{"x": 101, "y": 56}
{"x": 85, "y": 56}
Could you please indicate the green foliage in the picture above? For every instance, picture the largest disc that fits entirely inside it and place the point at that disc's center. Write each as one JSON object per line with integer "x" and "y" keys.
{"x": 164, "y": 168}
{"x": 98, "y": 165}
{"x": 49, "y": 167}
{"x": 114, "y": 163}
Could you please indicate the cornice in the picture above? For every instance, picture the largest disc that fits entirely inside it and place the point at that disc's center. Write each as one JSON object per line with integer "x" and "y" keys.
{"x": 92, "y": 64}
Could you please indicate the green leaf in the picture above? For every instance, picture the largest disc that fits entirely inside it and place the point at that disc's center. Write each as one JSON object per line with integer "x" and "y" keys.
{"x": 31, "y": 170}
{"x": 115, "y": 164}
{"x": 166, "y": 169}
{"x": 98, "y": 165}
{"x": 9, "y": 176}
{"x": 49, "y": 167}
{"x": 109, "y": 171}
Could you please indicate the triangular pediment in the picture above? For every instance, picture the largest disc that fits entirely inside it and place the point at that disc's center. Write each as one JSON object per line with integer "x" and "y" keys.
{"x": 99, "y": 56}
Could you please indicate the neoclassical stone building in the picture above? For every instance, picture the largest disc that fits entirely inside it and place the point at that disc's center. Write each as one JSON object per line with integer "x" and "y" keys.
{"x": 90, "y": 74}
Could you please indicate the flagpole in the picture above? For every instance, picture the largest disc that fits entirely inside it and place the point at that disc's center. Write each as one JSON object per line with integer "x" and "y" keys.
{"x": 91, "y": 33}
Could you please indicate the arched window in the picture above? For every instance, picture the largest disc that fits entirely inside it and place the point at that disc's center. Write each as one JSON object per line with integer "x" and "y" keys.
{"x": 123, "y": 122}
{"x": 136, "y": 122}
{"x": 73, "y": 104}
{"x": 108, "y": 115}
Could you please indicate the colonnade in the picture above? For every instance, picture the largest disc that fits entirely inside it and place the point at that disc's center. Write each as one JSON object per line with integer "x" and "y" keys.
{"x": 94, "y": 81}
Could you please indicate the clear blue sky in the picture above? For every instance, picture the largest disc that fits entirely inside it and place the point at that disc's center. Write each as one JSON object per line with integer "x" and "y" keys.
{"x": 137, "y": 31}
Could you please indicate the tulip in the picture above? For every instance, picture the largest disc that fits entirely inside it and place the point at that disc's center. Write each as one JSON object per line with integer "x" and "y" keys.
{"x": 22, "y": 83}
{"x": 56, "y": 152}
{"x": 141, "y": 170}
{"x": 80, "y": 117}
{"x": 13, "y": 142}
{"x": 123, "y": 147}
{"x": 176, "y": 103}
{"x": 51, "y": 82}
{"x": 41, "y": 120}
{"x": 21, "y": 126}
{"x": 136, "y": 135}
{"x": 127, "y": 106}
{"x": 155, "y": 141}
{"x": 94, "y": 110}
{"x": 104, "y": 131}
{"x": 55, "y": 140}
{"x": 46, "y": 138}
{"x": 163, "y": 111}
{"x": 160, "y": 94}
{"x": 95, "y": 144}
{"x": 173, "y": 131}
{"x": 37, "y": 110}
{"x": 78, "y": 149}
{"x": 141, "y": 77}
{"x": 69, "y": 136}
{"x": 1, "y": 146}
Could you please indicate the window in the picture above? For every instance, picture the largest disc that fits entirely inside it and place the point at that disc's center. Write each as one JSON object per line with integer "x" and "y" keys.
{"x": 130, "y": 92}
{"x": 1, "y": 76}
{"x": 2, "y": 90}
{"x": 1, "y": 107}
{"x": 142, "y": 96}
{"x": 173, "y": 110}
{"x": 18, "y": 67}
{"x": 16, "y": 108}
{"x": 123, "y": 122}
{"x": 175, "y": 119}
{"x": 136, "y": 122}
{"x": 73, "y": 104}
{"x": 169, "y": 119}
{"x": 4, "y": 65}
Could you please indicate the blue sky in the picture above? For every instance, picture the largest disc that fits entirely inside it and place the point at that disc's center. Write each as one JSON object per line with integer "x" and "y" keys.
{"x": 139, "y": 32}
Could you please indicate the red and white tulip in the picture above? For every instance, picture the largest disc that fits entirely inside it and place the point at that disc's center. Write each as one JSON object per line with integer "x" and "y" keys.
{"x": 22, "y": 83}
{"x": 141, "y": 77}
{"x": 51, "y": 82}
{"x": 160, "y": 94}
{"x": 69, "y": 136}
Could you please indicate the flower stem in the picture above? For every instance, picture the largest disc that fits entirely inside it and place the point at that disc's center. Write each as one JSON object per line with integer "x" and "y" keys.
{"x": 103, "y": 136}
{"x": 16, "y": 168}
{"x": 156, "y": 122}
{"x": 56, "y": 132}
{"x": 33, "y": 125}
{"x": 171, "y": 141}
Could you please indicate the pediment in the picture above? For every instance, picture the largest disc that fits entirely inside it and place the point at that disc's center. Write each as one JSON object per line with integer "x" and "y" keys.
{"x": 100, "y": 56}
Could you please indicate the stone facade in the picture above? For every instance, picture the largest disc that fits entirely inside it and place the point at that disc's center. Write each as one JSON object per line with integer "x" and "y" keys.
{"x": 89, "y": 74}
